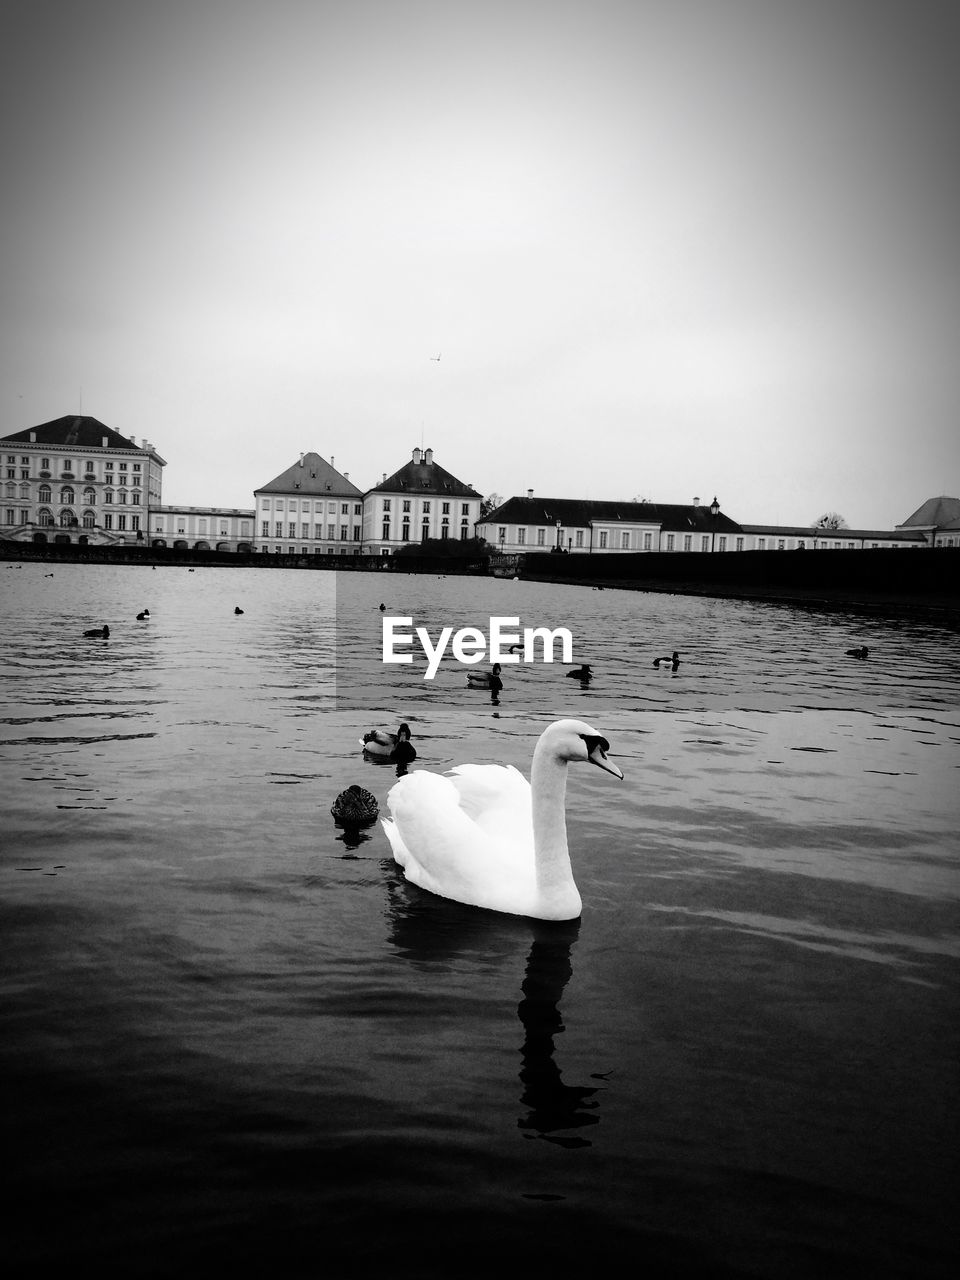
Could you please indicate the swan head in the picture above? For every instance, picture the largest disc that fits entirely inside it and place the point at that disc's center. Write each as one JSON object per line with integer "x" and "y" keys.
{"x": 575, "y": 740}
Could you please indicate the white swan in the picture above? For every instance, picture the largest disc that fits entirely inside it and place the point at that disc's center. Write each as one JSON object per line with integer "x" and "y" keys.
{"x": 483, "y": 835}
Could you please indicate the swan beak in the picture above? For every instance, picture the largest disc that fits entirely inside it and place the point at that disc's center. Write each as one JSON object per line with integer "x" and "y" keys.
{"x": 596, "y": 755}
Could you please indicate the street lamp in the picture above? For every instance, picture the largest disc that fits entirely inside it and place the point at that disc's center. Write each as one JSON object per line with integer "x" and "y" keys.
{"x": 714, "y": 512}
{"x": 559, "y": 523}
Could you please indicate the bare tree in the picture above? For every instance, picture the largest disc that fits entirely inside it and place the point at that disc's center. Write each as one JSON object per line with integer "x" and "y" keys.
{"x": 490, "y": 503}
{"x": 831, "y": 520}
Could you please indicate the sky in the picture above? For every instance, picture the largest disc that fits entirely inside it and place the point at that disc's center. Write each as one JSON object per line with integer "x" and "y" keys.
{"x": 664, "y": 249}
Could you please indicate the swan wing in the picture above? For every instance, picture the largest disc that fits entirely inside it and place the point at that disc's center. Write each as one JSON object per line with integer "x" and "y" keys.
{"x": 497, "y": 797}
{"x": 445, "y": 849}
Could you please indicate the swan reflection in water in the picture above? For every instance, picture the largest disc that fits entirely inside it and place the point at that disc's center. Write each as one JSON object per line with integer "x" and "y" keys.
{"x": 553, "y": 1105}
{"x": 429, "y": 930}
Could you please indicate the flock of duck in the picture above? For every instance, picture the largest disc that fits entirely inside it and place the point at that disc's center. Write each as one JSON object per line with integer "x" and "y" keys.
{"x": 481, "y": 834}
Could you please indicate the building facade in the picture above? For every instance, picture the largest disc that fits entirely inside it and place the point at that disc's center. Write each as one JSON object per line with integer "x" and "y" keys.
{"x": 309, "y": 509}
{"x": 784, "y": 537}
{"x": 938, "y": 520}
{"x": 422, "y": 500}
{"x": 202, "y": 528}
{"x": 76, "y": 480}
{"x": 607, "y": 528}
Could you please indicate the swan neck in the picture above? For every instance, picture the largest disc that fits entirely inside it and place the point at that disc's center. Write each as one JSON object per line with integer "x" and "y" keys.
{"x": 548, "y": 783}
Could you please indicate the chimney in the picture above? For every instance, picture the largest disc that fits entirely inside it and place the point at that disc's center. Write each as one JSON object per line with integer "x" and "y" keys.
{"x": 33, "y": 437}
{"x": 384, "y": 480}
{"x": 529, "y": 493}
{"x": 301, "y": 459}
{"x": 105, "y": 442}
{"x": 428, "y": 456}
{"x": 346, "y": 475}
{"x": 696, "y": 502}
{"x": 331, "y": 462}
{"x": 416, "y": 457}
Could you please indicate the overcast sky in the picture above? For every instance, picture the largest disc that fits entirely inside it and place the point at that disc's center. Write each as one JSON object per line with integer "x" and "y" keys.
{"x": 664, "y": 248}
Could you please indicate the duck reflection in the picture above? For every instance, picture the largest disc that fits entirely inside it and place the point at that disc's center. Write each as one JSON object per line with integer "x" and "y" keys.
{"x": 553, "y": 1105}
{"x": 429, "y": 930}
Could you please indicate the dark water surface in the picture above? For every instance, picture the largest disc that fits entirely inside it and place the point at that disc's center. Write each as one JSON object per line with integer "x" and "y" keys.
{"x": 234, "y": 1039}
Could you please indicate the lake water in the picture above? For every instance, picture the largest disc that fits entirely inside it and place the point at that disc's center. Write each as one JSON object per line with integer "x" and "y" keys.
{"x": 234, "y": 1038}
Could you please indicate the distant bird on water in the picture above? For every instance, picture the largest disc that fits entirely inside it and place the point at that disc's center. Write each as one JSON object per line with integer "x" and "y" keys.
{"x": 436, "y": 358}
{"x": 141, "y": 617}
{"x": 581, "y": 673}
{"x": 673, "y": 661}
{"x": 858, "y": 653}
{"x": 98, "y": 633}
{"x": 237, "y": 609}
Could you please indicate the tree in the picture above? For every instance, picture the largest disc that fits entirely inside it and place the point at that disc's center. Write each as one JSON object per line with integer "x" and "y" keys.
{"x": 830, "y": 520}
{"x": 490, "y": 503}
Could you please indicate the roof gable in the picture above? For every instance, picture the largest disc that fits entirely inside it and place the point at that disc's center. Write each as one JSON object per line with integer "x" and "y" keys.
{"x": 935, "y": 512}
{"x": 425, "y": 478}
{"x": 574, "y": 512}
{"x": 311, "y": 475}
{"x": 73, "y": 432}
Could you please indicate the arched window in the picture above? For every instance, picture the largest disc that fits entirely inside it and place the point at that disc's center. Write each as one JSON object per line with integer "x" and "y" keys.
{"x": 43, "y": 493}
{"x": 44, "y": 516}
{"x": 89, "y": 519}
{"x": 89, "y": 497}
{"x": 66, "y": 496}
{"x": 67, "y": 518}
{"x": 108, "y": 497}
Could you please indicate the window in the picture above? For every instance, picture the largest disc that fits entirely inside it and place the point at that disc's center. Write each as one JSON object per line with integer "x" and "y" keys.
{"x": 265, "y": 503}
{"x": 108, "y": 496}
{"x": 501, "y": 532}
{"x": 66, "y": 495}
{"x": 343, "y": 533}
{"x": 345, "y": 508}
{"x": 122, "y": 496}
{"x": 647, "y": 541}
{"x": 406, "y": 504}
{"x": 135, "y": 523}
{"x": 292, "y": 529}
{"x": 671, "y": 539}
{"x": 107, "y": 521}
{"x": 25, "y": 473}
{"x": 265, "y": 529}
{"x": 445, "y": 509}
{"x": 356, "y": 533}
{"x": 445, "y": 531}
{"x": 136, "y": 466}
{"x": 358, "y": 509}
{"x": 278, "y": 529}
{"x": 465, "y": 508}
{"x": 89, "y": 497}
{"x": 330, "y": 531}
{"x": 317, "y": 532}
{"x": 464, "y": 532}
{"x": 121, "y": 523}
{"x": 386, "y": 505}
{"x": 89, "y": 520}
{"x": 705, "y": 542}
{"x": 541, "y": 537}
{"x": 44, "y": 493}
{"x": 304, "y": 530}
{"x": 521, "y": 537}
{"x": 578, "y": 538}
{"x": 45, "y": 464}
{"x": 781, "y": 544}
{"x": 405, "y": 531}
{"x": 739, "y": 544}
{"x": 688, "y": 542}
{"x": 135, "y": 499}
{"x": 603, "y": 539}
{"x": 9, "y": 516}
{"x": 722, "y": 543}
{"x": 624, "y": 541}
{"x": 385, "y": 531}
{"x": 761, "y": 544}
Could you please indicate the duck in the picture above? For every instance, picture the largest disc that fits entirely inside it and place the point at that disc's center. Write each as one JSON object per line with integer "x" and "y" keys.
{"x": 858, "y": 653}
{"x": 581, "y": 673}
{"x": 383, "y": 608}
{"x": 237, "y": 609}
{"x": 394, "y": 746}
{"x": 485, "y": 679}
{"x": 99, "y": 633}
{"x": 484, "y": 836}
{"x": 355, "y": 807}
{"x": 673, "y": 661}
{"x": 141, "y": 617}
